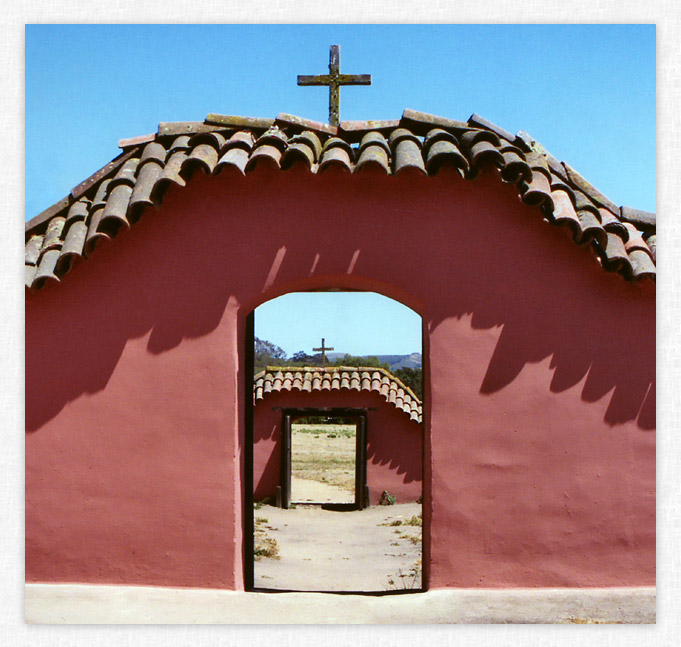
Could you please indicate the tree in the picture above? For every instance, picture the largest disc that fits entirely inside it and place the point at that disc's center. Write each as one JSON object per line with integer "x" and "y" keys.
{"x": 267, "y": 353}
{"x": 301, "y": 358}
{"x": 411, "y": 377}
{"x": 354, "y": 360}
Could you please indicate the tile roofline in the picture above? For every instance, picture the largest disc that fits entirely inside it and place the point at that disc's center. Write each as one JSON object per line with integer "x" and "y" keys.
{"x": 335, "y": 369}
{"x": 33, "y": 225}
{"x": 542, "y": 180}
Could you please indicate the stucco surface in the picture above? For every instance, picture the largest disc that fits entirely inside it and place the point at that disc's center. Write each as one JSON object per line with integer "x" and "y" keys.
{"x": 539, "y": 407}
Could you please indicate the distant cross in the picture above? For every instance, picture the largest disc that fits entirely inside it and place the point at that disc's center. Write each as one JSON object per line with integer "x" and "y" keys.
{"x": 323, "y": 349}
{"x": 334, "y": 79}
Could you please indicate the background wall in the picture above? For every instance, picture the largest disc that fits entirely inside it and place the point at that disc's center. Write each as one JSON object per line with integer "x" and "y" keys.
{"x": 394, "y": 448}
{"x": 539, "y": 398}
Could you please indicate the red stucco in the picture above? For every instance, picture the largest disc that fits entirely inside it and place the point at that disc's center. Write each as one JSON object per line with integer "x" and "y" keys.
{"x": 394, "y": 442}
{"x": 539, "y": 393}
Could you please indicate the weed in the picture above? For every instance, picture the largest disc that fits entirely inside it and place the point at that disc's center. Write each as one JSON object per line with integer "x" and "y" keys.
{"x": 261, "y": 520}
{"x": 266, "y": 547}
{"x": 414, "y": 521}
{"x": 386, "y": 498}
{"x": 409, "y": 580}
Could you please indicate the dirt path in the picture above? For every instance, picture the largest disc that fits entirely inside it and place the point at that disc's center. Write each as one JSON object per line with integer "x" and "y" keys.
{"x": 307, "y": 491}
{"x": 325, "y": 550}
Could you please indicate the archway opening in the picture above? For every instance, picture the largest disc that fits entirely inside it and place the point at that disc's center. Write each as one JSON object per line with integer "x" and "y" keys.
{"x": 337, "y": 445}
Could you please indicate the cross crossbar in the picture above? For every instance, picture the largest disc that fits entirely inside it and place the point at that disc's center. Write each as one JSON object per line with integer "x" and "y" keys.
{"x": 334, "y": 79}
{"x": 327, "y": 79}
{"x": 323, "y": 349}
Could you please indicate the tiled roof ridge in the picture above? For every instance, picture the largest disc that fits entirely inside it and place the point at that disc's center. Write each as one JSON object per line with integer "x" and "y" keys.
{"x": 115, "y": 197}
{"x": 334, "y": 369}
{"x": 311, "y": 378}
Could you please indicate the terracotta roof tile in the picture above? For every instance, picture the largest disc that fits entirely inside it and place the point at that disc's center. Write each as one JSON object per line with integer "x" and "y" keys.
{"x": 651, "y": 240}
{"x": 644, "y": 220}
{"x": 254, "y": 123}
{"x": 421, "y": 122}
{"x": 337, "y": 153}
{"x": 336, "y": 378}
{"x": 118, "y": 194}
{"x": 477, "y": 120}
{"x": 103, "y": 173}
{"x": 184, "y": 128}
{"x": 235, "y": 158}
{"x": 538, "y": 191}
{"x": 32, "y": 252}
{"x": 78, "y": 210}
{"x": 74, "y": 245}
{"x": 441, "y": 147}
{"x": 300, "y": 124}
{"x": 611, "y": 223}
{"x": 136, "y": 141}
{"x": 408, "y": 155}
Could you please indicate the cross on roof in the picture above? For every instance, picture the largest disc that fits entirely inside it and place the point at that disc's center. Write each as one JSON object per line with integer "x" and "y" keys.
{"x": 334, "y": 79}
{"x": 323, "y": 349}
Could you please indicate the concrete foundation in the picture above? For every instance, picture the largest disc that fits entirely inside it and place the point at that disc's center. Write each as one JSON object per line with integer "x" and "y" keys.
{"x": 94, "y": 604}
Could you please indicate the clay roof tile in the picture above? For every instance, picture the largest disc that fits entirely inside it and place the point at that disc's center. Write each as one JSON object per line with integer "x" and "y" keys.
{"x": 117, "y": 194}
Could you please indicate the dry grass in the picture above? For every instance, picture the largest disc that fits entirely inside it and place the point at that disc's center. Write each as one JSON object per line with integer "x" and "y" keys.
{"x": 263, "y": 544}
{"x": 324, "y": 453}
{"x": 409, "y": 580}
{"x": 412, "y": 534}
{"x": 415, "y": 520}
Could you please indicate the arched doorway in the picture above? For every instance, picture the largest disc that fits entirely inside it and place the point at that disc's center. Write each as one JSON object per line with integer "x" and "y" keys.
{"x": 370, "y": 540}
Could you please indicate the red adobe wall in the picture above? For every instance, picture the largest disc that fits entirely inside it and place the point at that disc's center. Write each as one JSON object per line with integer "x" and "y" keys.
{"x": 539, "y": 396}
{"x": 394, "y": 442}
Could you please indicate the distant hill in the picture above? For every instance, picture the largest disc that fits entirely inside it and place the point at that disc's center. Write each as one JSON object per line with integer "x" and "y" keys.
{"x": 402, "y": 361}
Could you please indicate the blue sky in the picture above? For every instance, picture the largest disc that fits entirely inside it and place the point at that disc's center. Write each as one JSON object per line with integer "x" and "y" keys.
{"x": 586, "y": 92}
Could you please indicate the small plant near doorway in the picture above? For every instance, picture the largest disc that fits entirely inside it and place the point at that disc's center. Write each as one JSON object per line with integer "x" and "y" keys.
{"x": 263, "y": 544}
{"x": 407, "y": 581}
{"x": 386, "y": 498}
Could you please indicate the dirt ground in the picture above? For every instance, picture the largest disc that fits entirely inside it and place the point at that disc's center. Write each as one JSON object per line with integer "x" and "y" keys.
{"x": 307, "y": 548}
{"x": 376, "y": 549}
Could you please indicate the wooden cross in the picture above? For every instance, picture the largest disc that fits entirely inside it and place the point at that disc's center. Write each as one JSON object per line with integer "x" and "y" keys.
{"x": 323, "y": 349}
{"x": 334, "y": 79}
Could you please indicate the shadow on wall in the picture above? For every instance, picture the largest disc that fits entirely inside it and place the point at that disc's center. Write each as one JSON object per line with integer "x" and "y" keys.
{"x": 218, "y": 244}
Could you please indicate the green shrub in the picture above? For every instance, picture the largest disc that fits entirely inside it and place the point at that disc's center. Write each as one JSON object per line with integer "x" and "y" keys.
{"x": 386, "y": 498}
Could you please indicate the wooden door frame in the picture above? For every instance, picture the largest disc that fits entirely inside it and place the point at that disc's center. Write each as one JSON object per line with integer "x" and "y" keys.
{"x": 361, "y": 439}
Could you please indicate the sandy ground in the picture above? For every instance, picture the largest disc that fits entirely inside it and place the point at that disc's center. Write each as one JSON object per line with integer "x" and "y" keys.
{"x": 323, "y": 453}
{"x": 306, "y": 491}
{"x": 326, "y": 550}
{"x": 309, "y": 549}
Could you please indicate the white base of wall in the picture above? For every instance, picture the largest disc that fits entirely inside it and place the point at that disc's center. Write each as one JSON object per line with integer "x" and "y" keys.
{"x": 95, "y": 604}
